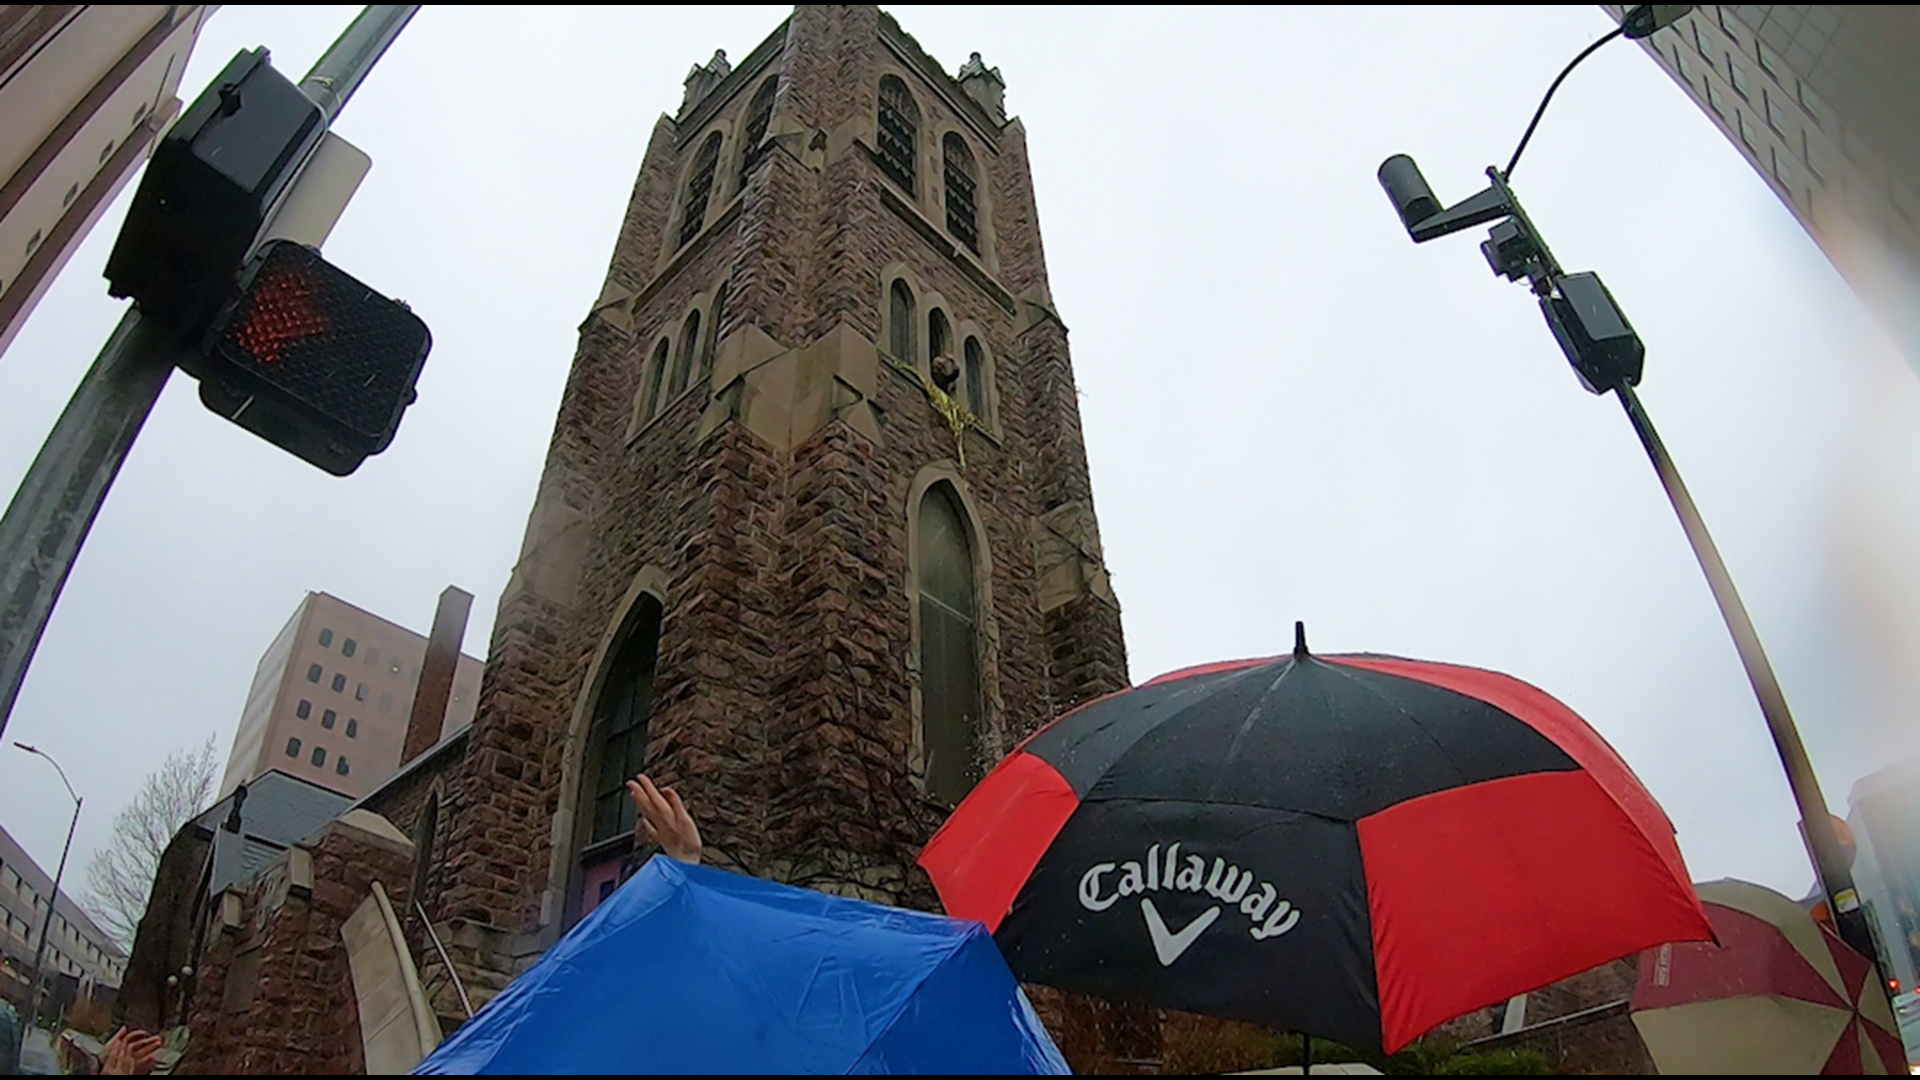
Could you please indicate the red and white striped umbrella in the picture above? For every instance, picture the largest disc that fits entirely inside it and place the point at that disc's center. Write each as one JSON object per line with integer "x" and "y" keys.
{"x": 1779, "y": 994}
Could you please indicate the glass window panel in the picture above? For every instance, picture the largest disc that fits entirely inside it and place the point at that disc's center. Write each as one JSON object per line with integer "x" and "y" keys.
{"x": 976, "y": 363}
{"x": 946, "y": 560}
{"x": 319, "y": 755}
{"x": 900, "y": 322}
{"x": 303, "y": 710}
{"x": 348, "y": 646}
{"x": 293, "y": 747}
{"x": 326, "y": 638}
{"x": 327, "y": 718}
{"x": 353, "y": 728}
{"x": 313, "y": 673}
{"x": 339, "y": 684}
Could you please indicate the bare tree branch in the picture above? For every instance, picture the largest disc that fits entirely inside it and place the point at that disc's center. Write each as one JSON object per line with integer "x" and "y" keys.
{"x": 121, "y": 874}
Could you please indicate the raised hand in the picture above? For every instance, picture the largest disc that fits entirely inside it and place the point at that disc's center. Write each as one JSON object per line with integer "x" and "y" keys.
{"x": 129, "y": 1053}
{"x": 664, "y": 820}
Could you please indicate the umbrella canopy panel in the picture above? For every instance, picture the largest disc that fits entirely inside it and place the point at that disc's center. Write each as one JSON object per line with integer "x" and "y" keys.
{"x": 1355, "y": 846}
{"x": 1778, "y": 994}
{"x": 692, "y": 970}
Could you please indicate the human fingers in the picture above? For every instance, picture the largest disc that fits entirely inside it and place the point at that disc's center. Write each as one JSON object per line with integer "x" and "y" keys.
{"x": 681, "y": 819}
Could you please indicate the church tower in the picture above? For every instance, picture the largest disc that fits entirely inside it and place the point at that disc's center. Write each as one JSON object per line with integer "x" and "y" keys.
{"x": 815, "y": 540}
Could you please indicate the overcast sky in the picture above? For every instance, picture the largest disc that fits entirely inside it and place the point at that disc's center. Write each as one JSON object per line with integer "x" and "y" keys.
{"x": 1291, "y": 411}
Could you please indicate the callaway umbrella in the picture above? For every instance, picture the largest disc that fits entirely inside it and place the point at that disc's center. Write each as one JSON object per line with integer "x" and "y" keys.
{"x": 1778, "y": 994}
{"x": 1357, "y": 847}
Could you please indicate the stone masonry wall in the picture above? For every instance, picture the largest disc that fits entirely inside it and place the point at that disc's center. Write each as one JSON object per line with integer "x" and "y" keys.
{"x": 273, "y": 993}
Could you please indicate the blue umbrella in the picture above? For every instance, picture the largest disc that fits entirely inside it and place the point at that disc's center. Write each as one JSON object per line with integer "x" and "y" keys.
{"x": 688, "y": 969}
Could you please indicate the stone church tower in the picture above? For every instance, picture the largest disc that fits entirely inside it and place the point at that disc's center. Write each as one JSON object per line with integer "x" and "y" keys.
{"x": 814, "y": 541}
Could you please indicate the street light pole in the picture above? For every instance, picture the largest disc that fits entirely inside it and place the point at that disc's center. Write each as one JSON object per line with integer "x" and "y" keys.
{"x": 1607, "y": 355}
{"x": 46, "y": 924}
{"x": 50, "y": 515}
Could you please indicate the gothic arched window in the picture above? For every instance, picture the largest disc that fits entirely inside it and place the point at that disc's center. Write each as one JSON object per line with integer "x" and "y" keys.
{"x": 683, "y": 363}
{"x": 975, "y": 377}
{"x": 949, "y": 652}
{"x": 900, "y": 321}
{"x": 759, "y": 116}
{"x": 619, "y": 735}
{"x": 699, "y": 188}
{"x": 963, "y": 217}
{"x": 655, "y": 376}
{"x": 939, "y": 335}
{"x": 899, "y": 132}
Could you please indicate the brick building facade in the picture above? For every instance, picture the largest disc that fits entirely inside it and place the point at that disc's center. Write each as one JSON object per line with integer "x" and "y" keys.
{"x": 814, "y": 541}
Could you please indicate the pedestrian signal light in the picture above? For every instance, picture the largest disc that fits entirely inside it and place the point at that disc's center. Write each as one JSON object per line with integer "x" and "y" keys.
{"x": 312, "y": 360}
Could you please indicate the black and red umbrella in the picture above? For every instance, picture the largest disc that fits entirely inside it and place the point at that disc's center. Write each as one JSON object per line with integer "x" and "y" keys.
{"x": 1358, "y": 847}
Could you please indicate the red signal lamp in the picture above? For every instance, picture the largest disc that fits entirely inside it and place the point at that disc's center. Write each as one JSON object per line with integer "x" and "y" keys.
{"x": 313, "y": 360}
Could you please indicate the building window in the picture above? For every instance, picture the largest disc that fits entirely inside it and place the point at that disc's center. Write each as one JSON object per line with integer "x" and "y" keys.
{"x": 683, "y": 363}
{"x": 340, "y": 765}
{"x": 293, "y": 747}
{"x": 313, "y": 673}
{"x": 976, "y": 378}
{"x": 1737, "y": 75}
{"x": 963, "y": 219}
{"x": 654, "y": 376}
{"x": 303, "y": 710}
{"x": 339, "y": 684}
{"x": 759, "y": 116}
{"x": 326, "y": 638}
{"x": 353, "y": 728}
{"x": 899, "y": 323}
{"x": 319, "y": 756}
{"x": 1776, "y": 115}
{"x": 949, "y": 660}
{"x": 347, "y": 647}
{"x": 898, "y": 132}
{"x": 359, "y": 691}
{"x": 327, "y": 719}
{"x": 620, "y": 722}
{"x": 699, "y": 188}
{"x": 939, "y": 335}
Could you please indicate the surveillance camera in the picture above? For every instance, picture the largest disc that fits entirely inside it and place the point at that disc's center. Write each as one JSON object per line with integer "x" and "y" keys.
{"x": 1412, "y": 199}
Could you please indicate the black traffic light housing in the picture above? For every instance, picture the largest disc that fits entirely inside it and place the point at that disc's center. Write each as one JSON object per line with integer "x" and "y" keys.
{"x": 214, "y": 181}
{"x": 288, "y": 346}
{"x": 312, "y": 360}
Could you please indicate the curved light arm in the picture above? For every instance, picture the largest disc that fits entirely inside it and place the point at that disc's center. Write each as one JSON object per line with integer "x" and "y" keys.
{"x": 55, "y": 764}
{"x": 1542, "y": 110}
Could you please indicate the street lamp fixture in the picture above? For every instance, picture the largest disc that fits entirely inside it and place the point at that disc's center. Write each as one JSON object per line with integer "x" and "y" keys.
{"x": 46, "y": 923}
{"x": 1608, "y": 356}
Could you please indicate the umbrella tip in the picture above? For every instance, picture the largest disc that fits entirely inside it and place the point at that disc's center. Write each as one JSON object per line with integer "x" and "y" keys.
{"x": 1299, "y": 640}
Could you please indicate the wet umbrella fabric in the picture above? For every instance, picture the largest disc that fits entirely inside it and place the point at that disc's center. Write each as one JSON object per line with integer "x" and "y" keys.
{"x": 1778, "y": 994}
{"x": 685, "y": 969}
{"x": 1358, "y": 847}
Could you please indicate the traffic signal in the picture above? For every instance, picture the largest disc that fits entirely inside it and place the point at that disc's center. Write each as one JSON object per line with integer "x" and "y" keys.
{"x": 312, "y": 360}
{"x": 283, "y": 343}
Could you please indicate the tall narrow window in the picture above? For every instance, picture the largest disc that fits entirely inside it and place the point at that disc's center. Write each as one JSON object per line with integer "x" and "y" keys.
{"x": 963, "y": 218}
{"x": 655, "y": 375}
{"x": 975, "y": 362}
{"x": 939, "y": 335}
{"x": 699, "y": 188}
{"x": 899, "y": 132}
{"x": 900, "y": 321}
{"x": 712, "y": 343}
{"x": 759, "y": 116}
{"x": 683, "y": 363}
{"x": 620, "y": 723}
{"x": 949, "y": 664}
